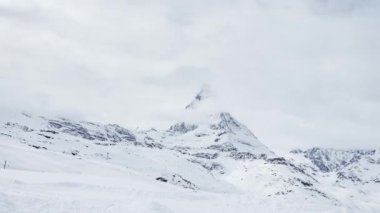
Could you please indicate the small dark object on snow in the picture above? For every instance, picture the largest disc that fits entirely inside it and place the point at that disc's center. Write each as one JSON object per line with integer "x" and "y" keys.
{"x": 38, "y": 147}
{"x": 162, "y": 179}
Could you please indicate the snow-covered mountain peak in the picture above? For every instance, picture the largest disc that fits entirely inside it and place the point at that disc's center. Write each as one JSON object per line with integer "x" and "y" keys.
{"x": 218, "y": 129}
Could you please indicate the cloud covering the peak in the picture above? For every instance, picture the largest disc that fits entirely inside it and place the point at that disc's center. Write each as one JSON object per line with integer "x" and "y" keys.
{"x": 299, "y": 73}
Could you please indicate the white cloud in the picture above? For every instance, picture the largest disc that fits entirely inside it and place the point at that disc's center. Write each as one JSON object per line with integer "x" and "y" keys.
{"x": 299, "y": 73}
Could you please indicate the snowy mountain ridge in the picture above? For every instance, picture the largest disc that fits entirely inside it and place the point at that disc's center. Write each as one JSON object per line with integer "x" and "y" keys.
{"x": 354, "y": 165}
{"x": 214, "y": 162}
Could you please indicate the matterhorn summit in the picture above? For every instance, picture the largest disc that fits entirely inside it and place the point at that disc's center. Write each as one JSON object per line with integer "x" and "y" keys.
{"x": 205, "y": 118}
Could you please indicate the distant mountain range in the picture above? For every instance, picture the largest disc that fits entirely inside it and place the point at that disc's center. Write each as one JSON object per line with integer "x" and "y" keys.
{"x": 210, "y": 162}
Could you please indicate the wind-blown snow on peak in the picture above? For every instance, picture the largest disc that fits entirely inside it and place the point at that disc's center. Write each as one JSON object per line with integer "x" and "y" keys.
{"x": 203, "y": 96}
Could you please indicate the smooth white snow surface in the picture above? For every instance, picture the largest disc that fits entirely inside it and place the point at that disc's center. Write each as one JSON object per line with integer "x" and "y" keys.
{"x": 44, "y": 181}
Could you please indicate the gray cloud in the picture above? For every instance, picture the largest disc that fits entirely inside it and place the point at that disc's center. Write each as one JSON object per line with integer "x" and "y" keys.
{"x": 299, "y": 73}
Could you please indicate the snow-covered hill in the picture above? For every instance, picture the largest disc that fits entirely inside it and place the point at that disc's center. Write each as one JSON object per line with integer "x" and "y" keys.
{"x": 203, "y": 163}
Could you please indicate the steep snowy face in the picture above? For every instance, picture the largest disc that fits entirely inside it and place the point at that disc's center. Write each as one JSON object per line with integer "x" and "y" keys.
{"x": 328, "y": 160}
{"x": 355, "y": 165}
{"x": 91, "y": 131}
{"x": 213, "y": 127}
{"x": 217, "y": 130}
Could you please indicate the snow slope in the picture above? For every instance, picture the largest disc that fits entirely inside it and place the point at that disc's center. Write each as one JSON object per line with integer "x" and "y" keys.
{"x": 204, "y": 163}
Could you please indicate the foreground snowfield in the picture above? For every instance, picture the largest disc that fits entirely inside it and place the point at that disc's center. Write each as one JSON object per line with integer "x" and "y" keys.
{"x": 42, "y": 181}
{"x": 211, "y": 163}
{"x": 46, "y": 181}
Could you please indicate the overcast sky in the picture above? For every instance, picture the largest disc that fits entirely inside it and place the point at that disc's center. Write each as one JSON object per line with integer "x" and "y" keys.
{"x": 299, "y": 73}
